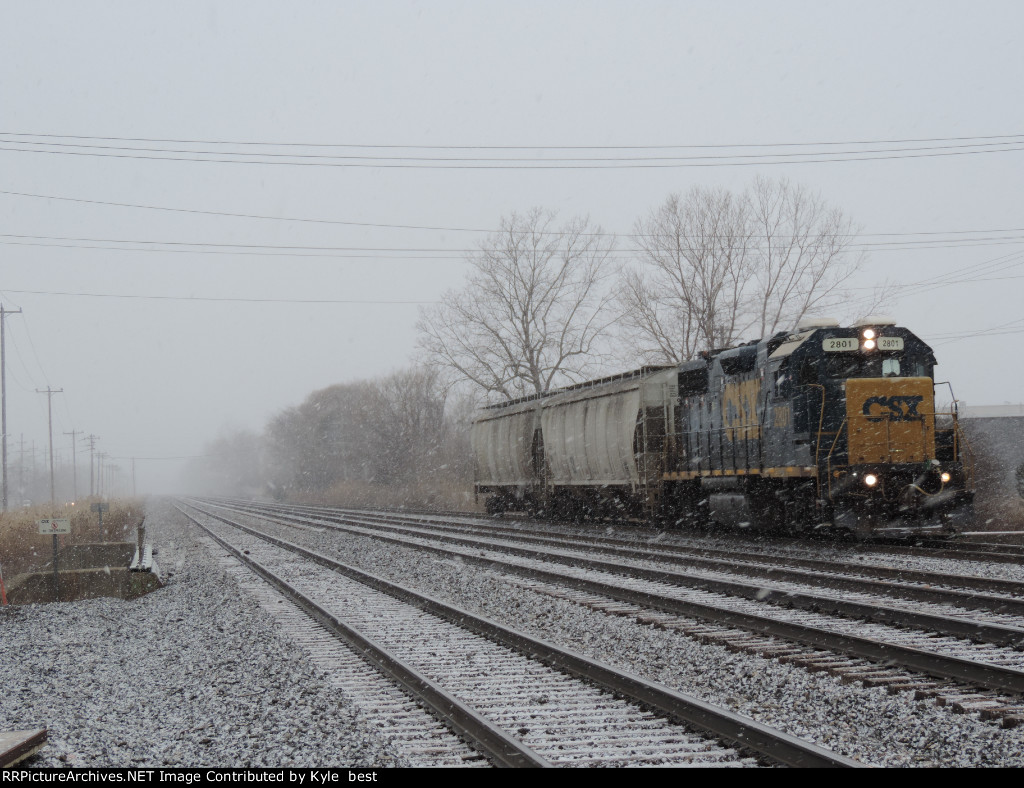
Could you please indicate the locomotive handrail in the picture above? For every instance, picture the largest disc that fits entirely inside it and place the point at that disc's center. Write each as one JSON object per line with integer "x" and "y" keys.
{"x": 969, "y": 465}
{"x": 828, "y": 459}
{"x": 817, "y": 443}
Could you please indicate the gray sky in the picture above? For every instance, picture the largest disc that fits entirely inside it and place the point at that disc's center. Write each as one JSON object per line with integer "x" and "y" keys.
{"x": 157, "y": 377}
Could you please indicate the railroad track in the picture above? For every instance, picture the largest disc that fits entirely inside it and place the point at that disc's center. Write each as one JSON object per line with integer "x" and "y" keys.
{"x": 1005, "y": 596}
{"x": 963, "y": 550}
{"x": 496, "y": 687}
{"x": 971, "y": 675}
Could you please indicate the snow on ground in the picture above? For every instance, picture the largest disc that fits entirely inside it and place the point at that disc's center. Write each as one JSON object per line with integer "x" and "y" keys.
{"x": 190, "y": 675}
{"x": 868, "y": 724}
{"x": 195, "y": 675}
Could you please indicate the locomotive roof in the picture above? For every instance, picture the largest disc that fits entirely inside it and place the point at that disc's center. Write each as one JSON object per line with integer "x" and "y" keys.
{"x": 793, "y": 341}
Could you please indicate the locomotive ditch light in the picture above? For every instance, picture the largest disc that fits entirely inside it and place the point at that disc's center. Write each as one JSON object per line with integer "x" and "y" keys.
{"x": 871, "y": 480}
{"x": 945, "y": 477}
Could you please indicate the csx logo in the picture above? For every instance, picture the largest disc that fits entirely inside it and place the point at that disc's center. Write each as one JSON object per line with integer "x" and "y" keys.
{"x": 902, "y": 407}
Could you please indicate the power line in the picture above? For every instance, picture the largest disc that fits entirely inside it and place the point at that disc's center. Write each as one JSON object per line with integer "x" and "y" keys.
{"x": 214, "y": 299}
{"x": 48, "y": 146}
{"x": 516, "y": 147}
{"x": 215, "y": 247}
{"x": 729, "y": 160}
{"x": 383, "y": 225}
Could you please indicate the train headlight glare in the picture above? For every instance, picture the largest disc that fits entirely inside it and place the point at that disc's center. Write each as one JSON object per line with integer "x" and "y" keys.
{"x": 869, "y": 344}
{"x": 869, "y": 333}
{"x": 945, "y": 477}
{"x": 871, "y": 480}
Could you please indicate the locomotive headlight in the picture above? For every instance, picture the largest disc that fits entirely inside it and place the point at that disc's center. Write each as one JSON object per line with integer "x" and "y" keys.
{"x": 945, "y": 477}
{"x": 869, "y": 333}
{"x": 869, "y": 344}
{"x": 871, "y": 480}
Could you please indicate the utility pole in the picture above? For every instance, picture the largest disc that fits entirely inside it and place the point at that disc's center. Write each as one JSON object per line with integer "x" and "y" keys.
{"x": 99, "y": 472}
{"x": 21, "y": 469}
{"x": 3, "y": 391}
{"x": 74, "y": 461}
{"x": 133, "y": 478}
{"x": 92, "y": 450}
{"x": 49, "y": 392}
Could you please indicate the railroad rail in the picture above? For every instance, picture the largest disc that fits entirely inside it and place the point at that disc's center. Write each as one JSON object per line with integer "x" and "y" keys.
{"x": 995, "y": 595}
{"x": 669, "y": 744}
{"x": 1002, "y": 631}
{"x": 923, "y": 655}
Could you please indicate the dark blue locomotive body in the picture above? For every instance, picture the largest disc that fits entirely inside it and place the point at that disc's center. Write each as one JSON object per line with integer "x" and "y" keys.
{"x": 824, "y": 426}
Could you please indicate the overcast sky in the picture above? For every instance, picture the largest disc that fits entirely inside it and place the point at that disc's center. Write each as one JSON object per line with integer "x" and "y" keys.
{"x": 159, "y": 372}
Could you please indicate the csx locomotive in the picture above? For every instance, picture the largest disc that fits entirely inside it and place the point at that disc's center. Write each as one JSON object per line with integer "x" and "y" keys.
{"x": 823, "y": 427}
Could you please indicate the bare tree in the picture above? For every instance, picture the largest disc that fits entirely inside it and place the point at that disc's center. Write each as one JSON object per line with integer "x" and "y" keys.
{"x": 715, "y": 267}
{"x": 533, "y": 309}
{"x": 802, "y": 255}
{"x": 407, "y": 418}
{"x": 231, "y": 464}
{"x": 687, "y": 295}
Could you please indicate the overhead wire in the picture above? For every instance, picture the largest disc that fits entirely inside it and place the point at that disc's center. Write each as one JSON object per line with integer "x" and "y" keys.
{"x": 514, "y": 147}
{"x": 216, "y": 299}
{"x": 405, "y": 252}
{"x": 438, "y": 228}
{"x": 993, "y": 146}
{"x": 1012, "y": 143}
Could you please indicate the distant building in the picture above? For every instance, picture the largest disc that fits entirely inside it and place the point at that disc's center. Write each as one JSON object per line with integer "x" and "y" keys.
{"x": 996, "y": 436}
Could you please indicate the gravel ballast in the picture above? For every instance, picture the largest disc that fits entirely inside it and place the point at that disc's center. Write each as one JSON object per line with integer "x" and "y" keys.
{"x": 193, "y": 674}
{"x": 864, "y": 723}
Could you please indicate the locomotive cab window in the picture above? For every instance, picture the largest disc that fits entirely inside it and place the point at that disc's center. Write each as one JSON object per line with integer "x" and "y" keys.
{"x": 875, "y": 366}
{"x": 780, "y": 381}
{"x": 809, "y": 372}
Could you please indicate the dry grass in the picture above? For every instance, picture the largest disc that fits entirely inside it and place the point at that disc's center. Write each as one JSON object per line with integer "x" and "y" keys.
{"x": 23, "y": 549}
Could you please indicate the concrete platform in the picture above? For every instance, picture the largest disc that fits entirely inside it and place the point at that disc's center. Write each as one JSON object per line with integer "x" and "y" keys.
{"x": 86, "y": 571}
{"x": 16, "y": 746}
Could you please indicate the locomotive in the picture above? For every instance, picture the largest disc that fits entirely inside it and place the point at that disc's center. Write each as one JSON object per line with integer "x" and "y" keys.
{"x": 823, "y": 427}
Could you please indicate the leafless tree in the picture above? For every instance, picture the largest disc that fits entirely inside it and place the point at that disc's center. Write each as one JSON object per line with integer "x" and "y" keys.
{"x": 385, "y": 431}
{"x": 533, "y": 310}
{"x": 231, "y": 464}
{"x": 715, "y": 267}
{"x": 407, "y": 418}
{"x": 688, "y": 292}
{"x": 802, "y": 255}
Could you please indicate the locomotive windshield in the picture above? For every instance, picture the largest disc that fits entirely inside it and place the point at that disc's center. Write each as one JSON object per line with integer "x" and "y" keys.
{"x": 875, "y": 366}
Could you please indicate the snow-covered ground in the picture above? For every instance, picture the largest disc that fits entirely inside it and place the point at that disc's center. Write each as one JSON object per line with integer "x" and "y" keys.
{"x": 196, "y": 675}
{"x": 868, "y": 724}
{"x": 191, "y": 675}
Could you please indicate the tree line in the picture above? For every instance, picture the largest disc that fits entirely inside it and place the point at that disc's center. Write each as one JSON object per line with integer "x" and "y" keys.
{"x": 546, "y": 303}
{"x": 350, "y": 442}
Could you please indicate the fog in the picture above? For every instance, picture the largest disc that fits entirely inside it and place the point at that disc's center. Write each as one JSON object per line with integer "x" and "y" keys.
{"x": 154, "y": 287}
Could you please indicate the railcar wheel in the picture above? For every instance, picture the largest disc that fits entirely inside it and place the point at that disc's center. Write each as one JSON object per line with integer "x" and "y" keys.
{"x": 495, "y": 504}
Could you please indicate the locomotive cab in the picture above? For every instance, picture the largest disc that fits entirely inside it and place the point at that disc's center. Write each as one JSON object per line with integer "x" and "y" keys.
{"x": 887, "y": 462}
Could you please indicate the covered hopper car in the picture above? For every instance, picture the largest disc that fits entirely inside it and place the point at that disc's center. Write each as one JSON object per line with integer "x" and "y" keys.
{"x": 824, "y": 427}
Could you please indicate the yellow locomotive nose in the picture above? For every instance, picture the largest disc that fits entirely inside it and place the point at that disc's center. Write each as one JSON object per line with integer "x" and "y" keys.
{"x": 890, "y": 420}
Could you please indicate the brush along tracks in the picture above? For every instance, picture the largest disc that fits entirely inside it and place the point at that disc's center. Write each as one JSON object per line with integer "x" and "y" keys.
{"x": 956, "y": 643}
{"x": 496, "y": 687}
